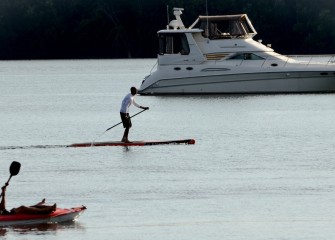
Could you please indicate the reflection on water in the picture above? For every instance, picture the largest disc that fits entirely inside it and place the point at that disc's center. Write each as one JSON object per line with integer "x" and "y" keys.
{"x": 41, "y": 229}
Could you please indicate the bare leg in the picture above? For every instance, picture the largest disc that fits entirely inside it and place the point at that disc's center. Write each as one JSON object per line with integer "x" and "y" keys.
{"x": 125, "y": 135}
{"x": 41, "y": 203}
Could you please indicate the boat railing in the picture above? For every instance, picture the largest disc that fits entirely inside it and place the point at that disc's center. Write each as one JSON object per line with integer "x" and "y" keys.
{"x": 314, "y": 59}
{"x": 283, "y": 61}
{"x": 154, "y": 66}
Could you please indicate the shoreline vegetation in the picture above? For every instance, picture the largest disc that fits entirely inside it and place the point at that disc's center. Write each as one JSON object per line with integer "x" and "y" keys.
{"x": 102, "y": 29}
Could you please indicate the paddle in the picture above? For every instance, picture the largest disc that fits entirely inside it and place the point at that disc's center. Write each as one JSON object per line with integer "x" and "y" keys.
{"x": 117, "y": 125}
{"x": 13, "y": 170}
{"x": 121, "y": 122}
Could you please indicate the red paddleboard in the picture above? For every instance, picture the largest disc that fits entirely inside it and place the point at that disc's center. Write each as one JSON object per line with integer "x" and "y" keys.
{"x": 135, "y": 143}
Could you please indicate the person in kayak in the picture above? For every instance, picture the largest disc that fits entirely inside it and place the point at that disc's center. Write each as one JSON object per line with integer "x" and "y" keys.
{"x": 124, "y": 112}
{"x": 39, "y": 208}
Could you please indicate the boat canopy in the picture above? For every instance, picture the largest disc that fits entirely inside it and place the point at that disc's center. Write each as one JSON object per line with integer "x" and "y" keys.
{"x": 235, "y": 17}
{"x": 225, "y": 26}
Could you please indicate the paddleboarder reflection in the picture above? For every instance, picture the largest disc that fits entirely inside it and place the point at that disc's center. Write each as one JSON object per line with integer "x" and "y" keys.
{"x": 127, "y": 101}
{"x": 38, "y": 208}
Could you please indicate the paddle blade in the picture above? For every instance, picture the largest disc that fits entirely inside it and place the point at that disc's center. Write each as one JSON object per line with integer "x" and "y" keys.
{"x": 14, "y": 168}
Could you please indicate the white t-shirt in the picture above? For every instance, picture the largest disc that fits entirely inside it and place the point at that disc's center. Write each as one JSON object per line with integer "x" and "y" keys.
{"x": 126, "y": 102}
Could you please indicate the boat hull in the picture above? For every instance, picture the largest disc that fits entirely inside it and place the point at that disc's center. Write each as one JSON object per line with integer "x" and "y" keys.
{"x": 58, "y": 216}
{"x": 264, "y": 82}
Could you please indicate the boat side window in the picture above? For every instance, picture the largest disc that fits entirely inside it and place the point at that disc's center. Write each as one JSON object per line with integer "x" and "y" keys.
{"x": 173, "y": 43}
{"x": 246, "y": 56}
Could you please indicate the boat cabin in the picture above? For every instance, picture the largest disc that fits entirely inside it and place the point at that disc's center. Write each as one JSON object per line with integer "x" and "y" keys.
{"x": 177, "y": 39}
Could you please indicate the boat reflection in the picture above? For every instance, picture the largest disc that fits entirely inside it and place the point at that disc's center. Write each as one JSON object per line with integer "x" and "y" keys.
{"x": 41, "y": 229}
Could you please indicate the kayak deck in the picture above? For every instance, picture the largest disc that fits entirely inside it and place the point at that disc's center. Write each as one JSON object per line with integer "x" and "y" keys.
{"x": 58, "y": 216}
{"x": 135, "y": 143}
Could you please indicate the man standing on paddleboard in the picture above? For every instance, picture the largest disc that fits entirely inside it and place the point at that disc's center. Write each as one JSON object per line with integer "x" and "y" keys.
{"x": 124, "y": 112}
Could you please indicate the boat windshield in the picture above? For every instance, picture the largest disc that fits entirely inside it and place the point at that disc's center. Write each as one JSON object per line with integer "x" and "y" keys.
{"x": 245, "y": 56}
{"x": 173, "y": 43}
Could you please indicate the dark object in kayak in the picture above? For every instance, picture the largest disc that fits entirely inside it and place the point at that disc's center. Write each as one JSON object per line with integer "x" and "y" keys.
{"x": 135, "y": 143}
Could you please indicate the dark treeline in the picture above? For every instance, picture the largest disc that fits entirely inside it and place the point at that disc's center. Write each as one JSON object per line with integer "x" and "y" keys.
{"x": 53, "y": 29}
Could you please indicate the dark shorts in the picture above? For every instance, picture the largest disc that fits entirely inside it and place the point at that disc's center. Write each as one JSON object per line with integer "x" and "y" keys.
{"x": 126, "y": 120}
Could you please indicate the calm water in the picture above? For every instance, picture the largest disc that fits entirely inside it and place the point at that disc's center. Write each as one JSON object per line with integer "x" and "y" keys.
{"x": 262, "y": 167}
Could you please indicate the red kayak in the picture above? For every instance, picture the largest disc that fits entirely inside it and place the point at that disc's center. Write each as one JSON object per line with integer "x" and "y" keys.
{"x": 58, "y": 216}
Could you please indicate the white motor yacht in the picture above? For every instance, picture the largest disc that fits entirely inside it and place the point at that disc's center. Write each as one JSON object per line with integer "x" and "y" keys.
{"x": 217, "y": 54}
